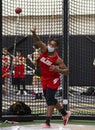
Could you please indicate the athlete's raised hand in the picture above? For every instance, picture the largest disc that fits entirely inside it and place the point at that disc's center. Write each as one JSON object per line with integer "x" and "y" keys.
{"x": 33, "y": 30}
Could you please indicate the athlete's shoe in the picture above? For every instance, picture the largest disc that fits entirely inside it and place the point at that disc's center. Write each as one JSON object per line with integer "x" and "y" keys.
{"x": 18, "y": 93}
{"x": 66, "y": 118}
{"x": 25, "y": 93}
{"x": 46, "y": 125}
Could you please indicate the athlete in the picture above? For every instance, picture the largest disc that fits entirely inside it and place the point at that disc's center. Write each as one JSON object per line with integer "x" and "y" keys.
{"x": 51, "y": 65}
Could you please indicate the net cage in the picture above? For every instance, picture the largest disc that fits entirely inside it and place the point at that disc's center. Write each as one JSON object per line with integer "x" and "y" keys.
{"x": 48, "y": 17}
{"x": 81, "y": 57}
{"x": 20, "y": 81}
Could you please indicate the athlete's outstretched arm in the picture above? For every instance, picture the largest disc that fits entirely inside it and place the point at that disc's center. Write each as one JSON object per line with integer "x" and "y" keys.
{"x": 38, "y": 41}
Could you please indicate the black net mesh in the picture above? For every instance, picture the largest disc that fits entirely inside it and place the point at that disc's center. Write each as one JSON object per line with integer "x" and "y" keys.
{"x": 81, "y": 58}
{"x": 16, "y": 37}
{"x": 47, "y": 15}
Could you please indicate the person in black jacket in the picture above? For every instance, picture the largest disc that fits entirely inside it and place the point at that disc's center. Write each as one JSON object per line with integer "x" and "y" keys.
{"x": 36, "y": 83}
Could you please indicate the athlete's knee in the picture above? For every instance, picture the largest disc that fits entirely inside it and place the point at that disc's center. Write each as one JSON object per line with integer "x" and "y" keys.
{"x": 51, "y": 102}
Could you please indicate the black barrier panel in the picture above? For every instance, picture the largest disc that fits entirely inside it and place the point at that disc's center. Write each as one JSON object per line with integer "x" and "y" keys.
{"x": 81, "y": 57}
{"x": 25, "y": 43}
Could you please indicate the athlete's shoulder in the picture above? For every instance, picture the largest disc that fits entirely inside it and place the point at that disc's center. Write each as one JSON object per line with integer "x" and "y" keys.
{"x": 45, "y": 53}
{"x": 56, "y": 54}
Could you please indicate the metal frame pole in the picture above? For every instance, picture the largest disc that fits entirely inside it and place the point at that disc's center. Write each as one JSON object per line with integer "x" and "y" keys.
{"x": 0, "y": 59}
{"x": 66, "y": 51}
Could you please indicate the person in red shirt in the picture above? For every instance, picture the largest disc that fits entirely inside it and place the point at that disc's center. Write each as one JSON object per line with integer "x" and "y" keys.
{"x": 19, "y": 72}
{"x": 51, "y": 65}
{"x": 5, "y": 68}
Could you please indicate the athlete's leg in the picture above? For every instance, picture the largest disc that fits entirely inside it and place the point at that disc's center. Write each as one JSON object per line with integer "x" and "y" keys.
{"x": 65, "y": 114}
{"x": 51, "y": 101}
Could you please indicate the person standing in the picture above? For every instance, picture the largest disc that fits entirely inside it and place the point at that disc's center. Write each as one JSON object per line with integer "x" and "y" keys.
{"x": 36, "y": 83}
{"x": 5, "y": 68}
{"x": 51, "y": 65}
{"x": 19, "y": 72}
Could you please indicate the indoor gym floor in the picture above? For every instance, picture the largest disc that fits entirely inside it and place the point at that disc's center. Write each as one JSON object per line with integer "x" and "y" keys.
{"x": 53, "y": 127}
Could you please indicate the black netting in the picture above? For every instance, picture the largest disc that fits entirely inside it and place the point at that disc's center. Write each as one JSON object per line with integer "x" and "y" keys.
{"x": 48, "y": 17}
{"x": 81, "y": 56}
{"x": 16, "y": 36}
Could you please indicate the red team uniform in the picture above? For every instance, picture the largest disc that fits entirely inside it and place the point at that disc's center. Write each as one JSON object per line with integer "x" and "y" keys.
{"x": 51, "y": 65}
{"x": 19, "y": 70}
{"x": 50, "y": 79}
{"x": 5, "y": 67}
{"x": 19, "y": 73}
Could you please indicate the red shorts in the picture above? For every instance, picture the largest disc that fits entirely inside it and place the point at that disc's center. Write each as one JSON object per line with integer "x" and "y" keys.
{"x": 53, "y": 83}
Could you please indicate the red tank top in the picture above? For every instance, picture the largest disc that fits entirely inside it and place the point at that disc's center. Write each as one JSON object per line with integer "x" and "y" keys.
{"x": 5, "y": 67}
{"x": 45, "y": 63}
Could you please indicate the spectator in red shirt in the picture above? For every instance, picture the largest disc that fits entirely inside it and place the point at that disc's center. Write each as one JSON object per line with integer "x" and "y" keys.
{"x": 5, "y": 68}
{"x": 19, "y": 72}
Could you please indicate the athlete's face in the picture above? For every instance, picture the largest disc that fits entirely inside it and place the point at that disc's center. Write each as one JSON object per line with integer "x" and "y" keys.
{"x": 52, "y": 46}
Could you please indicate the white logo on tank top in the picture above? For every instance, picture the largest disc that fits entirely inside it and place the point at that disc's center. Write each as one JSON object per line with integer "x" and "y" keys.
{"x": 46, "y": 61}
{"x": 55, "y": 80}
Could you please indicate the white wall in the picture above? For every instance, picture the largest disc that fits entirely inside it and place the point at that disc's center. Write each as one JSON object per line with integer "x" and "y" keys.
{"x": 82, "y": 7}
{"x": 44, "y": 25}
{"x": 82, "y": 24}
{"x": 32, "y": 7}
{"x": 77, "y": 25}
{"x": 47, "y": 7}
{"x": 47, "y": 16}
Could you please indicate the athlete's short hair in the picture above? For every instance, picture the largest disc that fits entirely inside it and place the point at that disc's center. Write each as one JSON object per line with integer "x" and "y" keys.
{"x": 54, "y": 39}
